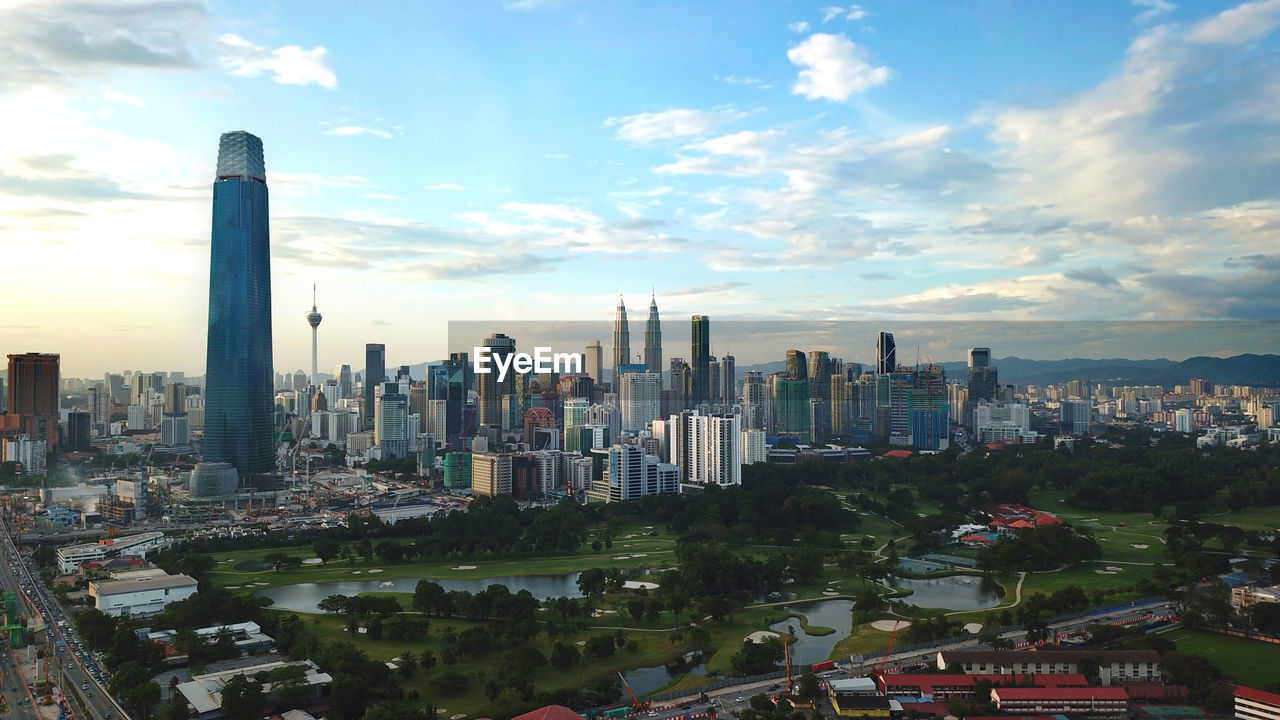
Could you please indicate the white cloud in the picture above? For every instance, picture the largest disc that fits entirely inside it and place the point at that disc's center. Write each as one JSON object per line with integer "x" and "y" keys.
{"x": 1238, "y": 25}
{"x": 119, "y": 97}
{"x": 1153, "y": 9}
{"x": 670, "y": 124}
{"x": 556, "y": 213}
{"x": 798, "y": 27}
{"x": 834, "y": 68}
{"x": 853, "y": 12}
{"x": 358, "y": 130}
{"x": 288, "y": 65}
{"x": 748, "y": 143}
{"x": 444, "y": 186}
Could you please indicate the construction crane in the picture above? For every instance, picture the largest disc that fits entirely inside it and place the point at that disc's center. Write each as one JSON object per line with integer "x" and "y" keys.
{"x": 786, "y": 654}
{"x": 888, "y": 651}
{"x": 636, "y": 704}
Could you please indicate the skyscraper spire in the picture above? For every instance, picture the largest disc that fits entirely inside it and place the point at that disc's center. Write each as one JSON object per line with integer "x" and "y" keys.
{"x": 653, "y": 337}
{"x": 621, "y": 339}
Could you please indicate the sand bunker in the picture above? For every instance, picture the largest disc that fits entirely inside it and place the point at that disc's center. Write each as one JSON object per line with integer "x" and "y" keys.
{"x": 233, "y": 587}
{"x": 464, "y": 567}
{"x": 581, "y": 642}
{"x": 887, "y": 625}
{"x": 357, "y": 572}
{"x": 1113, "y": 568}
{"x": 312, "y": 561}
{"x": 636, "y": 555}
{"x": 1105, "y": 572}
{"x": 457, "y": 716}
{"x": 829, "y": 593}
{"x": 1139, "y": 546}
{"x": 375, "y": 570}
{"x": 639, "y": 585}
{"x": 621, "y": 557}
{"x": 973, "y": 628}
{"x": 760, "y": 636}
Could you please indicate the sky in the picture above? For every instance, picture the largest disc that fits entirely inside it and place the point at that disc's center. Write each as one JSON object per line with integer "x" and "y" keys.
{"x": 431, "y": 161}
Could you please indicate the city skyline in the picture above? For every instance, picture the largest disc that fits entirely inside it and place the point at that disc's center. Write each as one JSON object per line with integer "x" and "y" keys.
{"x": 822, "y": 166}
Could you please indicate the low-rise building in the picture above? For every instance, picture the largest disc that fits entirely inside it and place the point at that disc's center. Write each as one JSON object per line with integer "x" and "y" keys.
{"x": 247, "y": 636}
{"x": 1097, "y": 702}
{"x": 71, "y": 557}
{"x": 203, "y": 693}
{"x": 140, "y": 596}
{"x": 1114, "y": 666}
{"x": 1254, "y": 704}
{"x": 938, "y": 687}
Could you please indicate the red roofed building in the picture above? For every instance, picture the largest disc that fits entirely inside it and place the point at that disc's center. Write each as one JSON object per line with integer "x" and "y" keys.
{"x": 898, "y": 454}
{"x": 550, "y": 712}
{"x": 943, "y": 687}
{"x": 1254, "y": 704}
{"x": 1091, "y": 701}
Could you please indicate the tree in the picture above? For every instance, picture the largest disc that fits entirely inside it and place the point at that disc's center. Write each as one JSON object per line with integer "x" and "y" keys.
{"x": 175, "y": 709}
{"x": 96, "y": 627}
{"x": 326, "y": 549}
{"x": 289, "y": 685}
{"x": 600, "y": 646}
{"x": 242, "y": 699}
{"x": 636, "y": 608}
{"x": 810, "y": 688}
{"x": 333, "y": 603}
{"x": 564, "y": 656}
{"x": 144, "y": 696}
{"x": 365, "y": 549}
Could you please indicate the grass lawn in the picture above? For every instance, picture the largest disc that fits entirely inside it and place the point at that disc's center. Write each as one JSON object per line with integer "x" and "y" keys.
{"x": 864, "y": 640}
{"x": 656, "y": 551}
{"x": 1251, "y": 662}
{"x": 1255, "y": 518}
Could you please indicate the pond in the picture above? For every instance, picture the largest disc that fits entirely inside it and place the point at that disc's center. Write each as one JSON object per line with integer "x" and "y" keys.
{"x": 805, "y": 648}
{"x": 305, "y": 597}
{"x": 955, "y": 592}
{"x": 646, "y": 680}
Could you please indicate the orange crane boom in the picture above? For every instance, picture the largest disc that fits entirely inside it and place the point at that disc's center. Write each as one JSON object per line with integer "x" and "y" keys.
{"x": 635, "y": 701}
{"x": 888, "y": 651}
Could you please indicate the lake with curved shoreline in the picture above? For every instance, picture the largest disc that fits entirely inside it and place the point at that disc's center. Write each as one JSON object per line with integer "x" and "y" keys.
{"x": 305, "y": 597}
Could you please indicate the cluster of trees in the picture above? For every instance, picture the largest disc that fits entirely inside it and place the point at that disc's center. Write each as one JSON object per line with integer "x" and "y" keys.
{"x": 496, "y": 602}
{"x": 1041, "y": 548}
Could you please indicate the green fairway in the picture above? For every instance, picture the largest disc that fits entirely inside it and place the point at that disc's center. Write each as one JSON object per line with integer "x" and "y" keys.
{"x": 1251, "y": 662}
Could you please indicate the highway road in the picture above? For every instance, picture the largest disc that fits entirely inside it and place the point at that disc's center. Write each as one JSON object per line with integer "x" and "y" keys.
{"x": 86, "y": 694}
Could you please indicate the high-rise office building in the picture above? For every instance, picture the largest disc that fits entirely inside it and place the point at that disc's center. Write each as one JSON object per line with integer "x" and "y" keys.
{"x": 753, "y": 402}
{"x": 313, "y": 319}
{"x": 593, "y": 361}
{"x": 621, "y": 340}
{"x": 791, "y": 410}
{"x": 681, "y": 384}
{"x": 629, "y": 472}
{"x": 375, "y": 371}
{"x": 886, "y": 354}
{"x": 796, "y": 367}
{"x": 345, "y": 385}
{"x": 728, "y": 380}
{"x": 714, "y": 387}
{"x": 491, "y": 391}
{"x": 928, "y": 409}
{"x": 34, "y": 381}
{"x": 490, "y": 474}
{"x": 391, "y": 421}
{"x": 653, "y": 339}
{"x": 141, "y": 386}
{"x": 238, "y": 412}
{"x": 820, "y": 376}
{"x": 700, "y": 391}
{"x": 982, "y": 378}
{"x": 640, "y": 400}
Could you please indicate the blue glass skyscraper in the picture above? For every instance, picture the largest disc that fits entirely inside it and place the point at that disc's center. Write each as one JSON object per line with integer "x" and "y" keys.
{"x": 238, "y": 371}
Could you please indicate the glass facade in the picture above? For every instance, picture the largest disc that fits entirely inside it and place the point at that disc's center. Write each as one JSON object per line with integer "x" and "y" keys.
{"x": 238, "y": 370}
